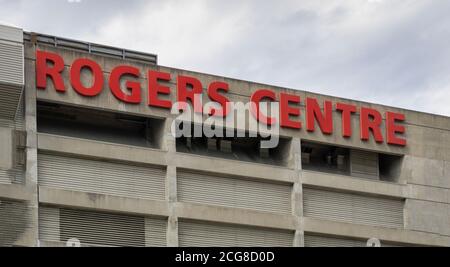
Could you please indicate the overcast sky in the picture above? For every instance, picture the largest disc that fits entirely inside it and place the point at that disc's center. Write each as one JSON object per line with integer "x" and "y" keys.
{"x": 383, "y": 51}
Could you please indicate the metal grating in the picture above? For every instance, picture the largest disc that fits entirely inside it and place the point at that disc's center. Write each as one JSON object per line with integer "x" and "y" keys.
{"x": 224, "y": 191}
{"x": 13, "y": 176}
{"x": 101, "y": 177}
{"x": 15, "y": 219}
{"x": 331, "y": 241}
{"x": 9, "y": 101}
{"x": 323, "y": 241}
{"x": 364, "y": 164}
{"x": 11, "y": 64}
{"x": 200, "y": 234}
{"x": 352, "y": 208}
{"x": 58, "y": 225}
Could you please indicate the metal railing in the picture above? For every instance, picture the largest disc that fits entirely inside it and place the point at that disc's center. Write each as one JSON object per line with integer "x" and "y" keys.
{"x": 90, "y": 47}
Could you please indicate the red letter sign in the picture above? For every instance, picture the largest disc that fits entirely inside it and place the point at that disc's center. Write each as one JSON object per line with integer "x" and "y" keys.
{"x": 371, "y": 121}
{"x": 315, "y": 113}
{"x": 154, "y": 89}
{"x": 347, "y": 111}
{"x": 213, "y": 93}
{"x": 43, "y": 71}
{"x": 392, "y": 129}
{"x": 134, "y": 87}
{"x": 193, "y": 95}
{"x": 286, "y": 111}
{"x": 75, "y": 78}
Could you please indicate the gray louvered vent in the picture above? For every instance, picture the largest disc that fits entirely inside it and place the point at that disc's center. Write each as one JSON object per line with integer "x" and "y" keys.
{"x": 19, "y": 122}
{"x": 364, "y": 164}
{"x": 351, "y": 208}
{"x": 100, "y": 177}
{"x": 233, "y": 192}
{"x": 9, "y": 101}
{"x": 14, "y": 221}
{"x": 199, "y": 234}
{"x": 14, "y": 176}
{"x": 57, "y": 226}
{"x": 11, "y": 71}
{"x": 322, "y": 241}
{"x": 329, "y": 241}
{"x": 11, "y": 64}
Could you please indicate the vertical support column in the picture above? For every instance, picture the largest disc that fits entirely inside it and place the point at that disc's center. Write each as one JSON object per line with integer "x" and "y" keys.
{"x": 32, "y": 150}
{"x": 297, "y": 192}
{"x": 169, "y": 144}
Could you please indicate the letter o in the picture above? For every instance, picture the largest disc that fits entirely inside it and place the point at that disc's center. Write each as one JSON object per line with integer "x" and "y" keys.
{"x": 75, "y": 77}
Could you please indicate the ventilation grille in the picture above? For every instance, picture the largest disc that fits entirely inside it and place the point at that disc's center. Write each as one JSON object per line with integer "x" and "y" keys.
{"x": 328, "y": 241}
{"x": 364, "y": 164}
{"x": 14, "y": 221}
{"x": 11, "y": 64}
{"x": 9, "y": 101}
{"x": 99, "y": 177}
{"x": 100, "y": 229}
{"x": 350, "y": 208}
{"x": 196, "y": 234}
{"x": 14, "y": 176}
{"x": 236, "y": 193}
{"x": 322, "y": 241}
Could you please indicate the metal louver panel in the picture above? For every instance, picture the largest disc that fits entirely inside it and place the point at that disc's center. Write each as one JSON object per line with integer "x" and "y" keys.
{"x": 11, "y": 64}
{"x": 9, "y": 101}
{"x": 19, "y": 122}
{"x": 233, "y": 192}
{"x": 14, "y": 176}
{"x": 329, "y": 241}
{"x": 322, "y": 241}
{"x": 100, "y": 177}
{"x": 14, "y": 221}
{"x": 352, "y": 208}
{"x": 57, "y": 225}
{"x": 200, "y": 234}
{"x": 11, "y": 70}
{"x": 364, "y": 164}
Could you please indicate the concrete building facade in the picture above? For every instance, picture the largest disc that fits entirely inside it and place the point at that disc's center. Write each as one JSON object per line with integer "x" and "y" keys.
{"x": 110, "y": 173}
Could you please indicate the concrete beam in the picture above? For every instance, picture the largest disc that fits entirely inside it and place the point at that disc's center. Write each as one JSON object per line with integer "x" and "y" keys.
{"x": 236, "y": 216}
{"x": 347, "y": 183}
{"x": 233, "y": 167}
{"x": 16, "y": 192}
{"x": 103, "y": 203}
{"x": 75, "y": 146}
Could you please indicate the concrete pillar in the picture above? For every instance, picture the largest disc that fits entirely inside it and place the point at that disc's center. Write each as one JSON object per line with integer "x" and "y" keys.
{"x": 32, "y": 236}
{"x": 297, "y": 192}
{"x": 169, "y": 144}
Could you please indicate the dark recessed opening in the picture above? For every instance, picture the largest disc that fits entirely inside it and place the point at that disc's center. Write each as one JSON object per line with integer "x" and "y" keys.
{"x": 99, "y": 125}
{"x": 243, "y": 147}
{"x": 324, "y": 158}
{"x": 390, "y": 167}
{"x": 353, "y": 162}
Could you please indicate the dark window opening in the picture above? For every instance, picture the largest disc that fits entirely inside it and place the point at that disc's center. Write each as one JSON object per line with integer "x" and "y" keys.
{"x": 390, "y": 167}
{"x": 99, "y": 125}
{"x": 245, "y": 148}
{"x": 332, "y": 159}
{"x": 352, "y": 162}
